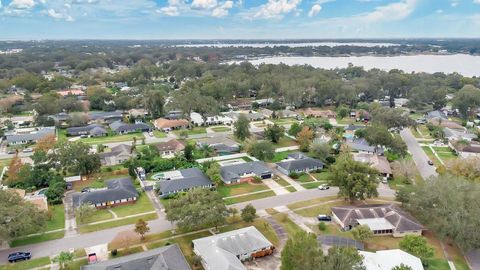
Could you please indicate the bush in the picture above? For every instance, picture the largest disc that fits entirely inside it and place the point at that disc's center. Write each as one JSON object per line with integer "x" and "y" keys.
{"x": 114, "y": 252}
{"x": 322, "y": 226}
{"x": 330, "y": 159}
{"x": 109, "y": 169}
{"x": 294, "y": 175}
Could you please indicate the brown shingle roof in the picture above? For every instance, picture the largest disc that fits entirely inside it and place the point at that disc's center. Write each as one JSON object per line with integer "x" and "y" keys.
{"x": 172, "y": 145}
{"x": 166, "y": 123}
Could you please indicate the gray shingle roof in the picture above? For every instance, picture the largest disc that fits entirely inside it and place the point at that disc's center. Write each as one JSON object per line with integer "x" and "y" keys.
{"x": 401, "y": 220}
{"x": 164, "y": 258}
{"x": 117, "y": 189}
{"x": 192, "y": 177}
{"x": 119, "y": 126}
{"x": 300, "y": 162}
{"x": 13, "y": 138}
{"x": 219, "y": 251}
{"x": 94, "y": 129}
{"x": 361, "y": 144}
{"x": 232, "y": 172}
{"x": 337, "y": 241}
{"x": 436, "y": 115}
{"x": 104, "y": 115}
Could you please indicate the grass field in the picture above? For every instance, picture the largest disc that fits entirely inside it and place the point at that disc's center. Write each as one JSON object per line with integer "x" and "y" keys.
{"x": 142, "y": 205}
{"x": 77, "y": 264}
{"x": 39, "y": 262}
{"x": 282, "y": 182}
{"x": 115, "y": 223}
{"x": 112, "y": 139}
{"x": 251, "y": 197}
{"x": 279, "y": 156}
{"x": 238, "y": 189}
{"x": 297, "y": 205}
{"x": 58, "y": 217}
{"x": 431, "y": 156}
{"x": 285, "y": 142}
{"x": 37, "y": 239}
{"x": 284, "y": 121}
{"x": 290, "y": 227}
{"x": 322, "y": 176}
{"x": 311, "y": 185}
{"x": 319, "y": 209}
{"x": 193, "y": 131}
{"x": 99, "y": 215}
{"x": 4, "y": 163}
{"x": 345, "y": 121}
{"x": 159, "y": 134}
{"x": 304, "y": 178}
{"x": 221, "y": 129}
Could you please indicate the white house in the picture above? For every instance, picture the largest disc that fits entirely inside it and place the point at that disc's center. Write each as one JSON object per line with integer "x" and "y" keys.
{"x": 198, "y": 120}
{"x": 388, "y": 259}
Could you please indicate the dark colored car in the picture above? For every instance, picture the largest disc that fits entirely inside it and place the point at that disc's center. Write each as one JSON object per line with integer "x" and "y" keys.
{"x": 430, "y": 163}
{"x": 85, "y": 190}
{"x": 324, "y": 218}
{"x": 69, "y": 186}
{"x": 19, "y": 256}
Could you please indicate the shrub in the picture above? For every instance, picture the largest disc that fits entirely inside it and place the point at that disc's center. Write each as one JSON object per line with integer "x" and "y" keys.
{"x": 294, "y": 175}
{"x": 322, "y": 226}
{"x": 114, "y": 252}
{"x": 330, "y": 159}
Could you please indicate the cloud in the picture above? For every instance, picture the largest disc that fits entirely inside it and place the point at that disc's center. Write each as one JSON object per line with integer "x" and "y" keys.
{"x": 476, "y": 1}
{"x": 391, "y": 12}
{"x": 170, "y": 11}
{"x": 276, "y": 9}
{"x": 22, "y": 4}
{"x": 59, "y": 16}
{"x": 204, "y": 4}
{"x": 314, "y": 10}
{"x": 222, "y": 10}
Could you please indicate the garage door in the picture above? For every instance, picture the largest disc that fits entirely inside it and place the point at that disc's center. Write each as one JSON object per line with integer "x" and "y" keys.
{"x": 267, "y": 176}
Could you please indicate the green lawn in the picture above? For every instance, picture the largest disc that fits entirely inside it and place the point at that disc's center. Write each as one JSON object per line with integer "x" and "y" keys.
{"x": 437, "y": 264}
{"x": 159, "y": 134}
{"x": 243, "y": 188}
{"x": 39, "y": 262}
{"x": 291, "y": 189}
{"x": 110, "y": 139}
{"x": 311, "y": 185}
{"x": 279, "y": 156}
{"x": 431, "y": 156}
{"x": 424, "y": 131}
{"x": 304, "y": 178}
{"x": 251, "y": 197}
{"x": 319, "y": 209}
{"x": 297, "y": 205}
{"x": 284, "y": 121}
{"x": 193, "y": 131}
{"x": 115, "y": 223}
{"x": 282, "y": 182}
{"x": 142, "y": 205}
{"x": 345, "y": 121}
{"x": 58, "y": 217}
{"x": 285, "y": 142}
{"x": 221, "y": 129}
{"x": 323, "y": 176}
{"x": 37, "y": 239}
{"x": 4, "y": 163}
{"x": 290, "y": 227}
{"x": 99, "y": 215}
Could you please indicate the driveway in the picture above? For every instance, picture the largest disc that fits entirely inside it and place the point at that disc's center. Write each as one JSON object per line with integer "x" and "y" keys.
{"x": 70, "y": 221}
{"x": 473, "y": 258}
{"x": 419, "y": 156}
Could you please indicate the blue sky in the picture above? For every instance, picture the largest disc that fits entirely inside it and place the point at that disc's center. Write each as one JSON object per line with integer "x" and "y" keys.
{"x": 237, "y": 19}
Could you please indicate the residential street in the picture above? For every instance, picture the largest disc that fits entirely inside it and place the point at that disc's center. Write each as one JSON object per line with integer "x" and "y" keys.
{"x": 161, "y": 224}
{"x": 419, "y": 156}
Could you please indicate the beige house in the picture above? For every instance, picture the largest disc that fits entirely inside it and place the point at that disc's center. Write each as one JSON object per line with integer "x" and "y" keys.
{"x": 169, "y": 125}
{"x": 379, "y": 163}
{"x": 170, "y": 149}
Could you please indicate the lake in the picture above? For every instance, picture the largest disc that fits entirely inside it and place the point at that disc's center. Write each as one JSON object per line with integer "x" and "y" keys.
{"x": 467, "y": 65}
{"x": 291, "y": 45}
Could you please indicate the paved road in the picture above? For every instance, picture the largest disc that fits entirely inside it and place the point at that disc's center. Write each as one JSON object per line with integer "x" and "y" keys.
{"x": 419, "y": 156}
{"x": 161, "y": 224}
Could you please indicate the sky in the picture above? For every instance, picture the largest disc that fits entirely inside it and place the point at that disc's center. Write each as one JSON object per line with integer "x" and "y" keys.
{"x": 238, "y": 19}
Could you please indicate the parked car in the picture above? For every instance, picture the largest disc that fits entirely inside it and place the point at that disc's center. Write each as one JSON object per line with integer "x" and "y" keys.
{"x": 430, "y": 162}
{"x": 19, "y": 256}
{"x": 69, "y": 186}
{"x": 384, "y": 180}
{"x": 27, "y": 150}
{"x": 11, "y": 152}
{"x": 324, "y": 218}
{"x": 85, "y": 190}
{"x": 324, "y": 187}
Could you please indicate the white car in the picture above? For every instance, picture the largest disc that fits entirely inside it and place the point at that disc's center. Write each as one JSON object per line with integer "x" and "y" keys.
{"x": 323, "y": 187}
{"x": 27, "y": 150}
